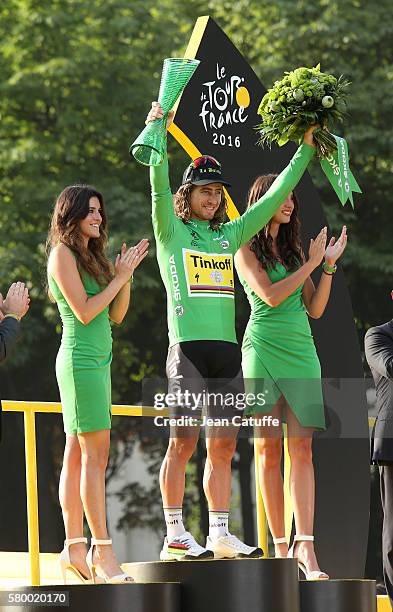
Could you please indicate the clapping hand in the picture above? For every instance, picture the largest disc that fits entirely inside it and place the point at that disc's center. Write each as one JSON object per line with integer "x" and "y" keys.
{"x": 317, "y": 248}
{"x": 336, "y": 248}
{"x": 129, "y": 259}
{"x": 17, "y": 300}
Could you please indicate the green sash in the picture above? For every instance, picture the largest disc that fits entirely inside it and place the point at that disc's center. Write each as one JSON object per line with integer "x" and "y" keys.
{"x": 336, "y": 168}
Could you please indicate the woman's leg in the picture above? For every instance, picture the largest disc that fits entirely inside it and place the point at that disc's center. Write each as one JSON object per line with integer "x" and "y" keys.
{"x": 302, "y": 486}
{"x": 71, "y": 503}
{"x": 95, "y": 451}
{"x": 268, "y": 440}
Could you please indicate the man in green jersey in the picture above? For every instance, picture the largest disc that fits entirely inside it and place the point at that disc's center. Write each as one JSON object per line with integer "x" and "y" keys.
{"x": 195, "y": 250}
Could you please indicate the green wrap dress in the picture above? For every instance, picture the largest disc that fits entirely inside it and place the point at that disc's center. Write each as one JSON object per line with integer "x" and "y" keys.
{"x": 279, "y": 355}
{"x": 83, "y": 365}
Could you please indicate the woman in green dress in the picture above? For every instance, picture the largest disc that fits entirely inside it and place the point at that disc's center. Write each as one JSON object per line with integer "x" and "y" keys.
{"x": 89, "y": 292}
{"x": 280, "y": 361}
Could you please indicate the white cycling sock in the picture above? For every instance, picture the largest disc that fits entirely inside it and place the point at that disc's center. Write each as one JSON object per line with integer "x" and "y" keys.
{"x": 218, "y": 523}
{"x": 174, "y": 522}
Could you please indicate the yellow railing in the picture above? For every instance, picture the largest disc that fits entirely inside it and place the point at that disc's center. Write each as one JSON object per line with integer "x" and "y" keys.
{"x": 29, "y": 410}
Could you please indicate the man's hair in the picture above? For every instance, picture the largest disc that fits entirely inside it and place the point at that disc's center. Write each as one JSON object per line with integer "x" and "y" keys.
{"x": 182, "y": 206}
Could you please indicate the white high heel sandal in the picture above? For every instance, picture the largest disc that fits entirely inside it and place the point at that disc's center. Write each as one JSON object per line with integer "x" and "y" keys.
{"x": 279, "y": 540}
{"x": 314, "y": 575}
{"x": 118, "y": 579}
{"x": 65, "y": 562}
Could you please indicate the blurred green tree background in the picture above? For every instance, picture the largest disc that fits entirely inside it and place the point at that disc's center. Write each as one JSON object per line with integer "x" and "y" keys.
{"x": 76, "y": 79}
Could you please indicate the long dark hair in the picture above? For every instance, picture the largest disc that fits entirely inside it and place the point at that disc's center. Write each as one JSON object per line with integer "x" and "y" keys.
{"x": 288, "y": 238}
{"x": 182, "y": 206}
{"x": 72, "y": 206}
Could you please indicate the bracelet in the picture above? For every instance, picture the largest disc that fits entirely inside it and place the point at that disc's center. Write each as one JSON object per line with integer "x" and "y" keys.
{"x": 329, "y": 269}
{"x": 12, "y": 315}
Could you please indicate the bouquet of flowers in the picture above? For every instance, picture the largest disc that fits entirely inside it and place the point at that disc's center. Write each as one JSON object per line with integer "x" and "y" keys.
{"x": 302, "y": 98}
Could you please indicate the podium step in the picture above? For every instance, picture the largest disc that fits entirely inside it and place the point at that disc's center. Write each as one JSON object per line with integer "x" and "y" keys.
{"x": 162, "y": 597}
{"x": 338, "y": 596}
{"x": 254, "y": 585}
{"x": 270, "y": 585}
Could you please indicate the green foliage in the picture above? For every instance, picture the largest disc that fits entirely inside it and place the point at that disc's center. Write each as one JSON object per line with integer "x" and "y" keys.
{"x": 300, "y": 99}
{"x": 76, "y": 79}
{"x": 354, "y": 38}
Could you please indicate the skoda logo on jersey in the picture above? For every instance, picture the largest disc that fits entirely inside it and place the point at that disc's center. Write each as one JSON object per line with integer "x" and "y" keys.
{"x": 179, "y": 310}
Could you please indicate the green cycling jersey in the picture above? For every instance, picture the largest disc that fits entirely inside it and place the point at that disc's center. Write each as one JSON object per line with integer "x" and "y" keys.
{"x": 196, "y": 262}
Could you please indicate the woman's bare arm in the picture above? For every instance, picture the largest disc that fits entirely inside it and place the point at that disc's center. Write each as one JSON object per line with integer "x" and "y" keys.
{"x": 62, "y": 267}
{"x": 257, "y": 278}
{"x": 119, "y": 307}
{"x": 316, "y": 299}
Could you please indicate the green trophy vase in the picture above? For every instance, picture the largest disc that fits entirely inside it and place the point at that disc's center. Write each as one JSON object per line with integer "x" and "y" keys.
{"x": 150, "y": 146}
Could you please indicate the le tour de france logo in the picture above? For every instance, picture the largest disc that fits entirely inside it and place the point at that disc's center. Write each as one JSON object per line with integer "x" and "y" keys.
{"x": 224, "y": 103}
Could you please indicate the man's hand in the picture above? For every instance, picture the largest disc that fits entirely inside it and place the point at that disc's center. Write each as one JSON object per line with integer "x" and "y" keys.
{"x": 17, "y": 300}
{"x": 156, "y": 112}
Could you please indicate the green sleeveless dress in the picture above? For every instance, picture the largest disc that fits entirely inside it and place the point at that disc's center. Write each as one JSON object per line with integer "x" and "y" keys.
{"x": 83, "y": 365}
{"x": 279, "y": 355}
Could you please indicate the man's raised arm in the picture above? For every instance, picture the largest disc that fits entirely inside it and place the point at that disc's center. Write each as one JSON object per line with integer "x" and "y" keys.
{"x": 163, "y": 215}
{"x": 260, "y": 213}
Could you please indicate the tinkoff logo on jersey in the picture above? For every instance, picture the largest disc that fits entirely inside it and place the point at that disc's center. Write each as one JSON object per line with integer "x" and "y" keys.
{"x": 208, "y": 274}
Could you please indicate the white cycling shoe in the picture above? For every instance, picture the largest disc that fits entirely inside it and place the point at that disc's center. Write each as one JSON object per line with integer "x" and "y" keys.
{"x": 230, "y": 547}
{"x": 184, "y": 548}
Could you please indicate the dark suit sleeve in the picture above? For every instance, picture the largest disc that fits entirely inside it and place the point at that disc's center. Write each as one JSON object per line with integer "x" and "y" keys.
{"x": 9, "y": 332}
{"x": 378, "y": 345}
